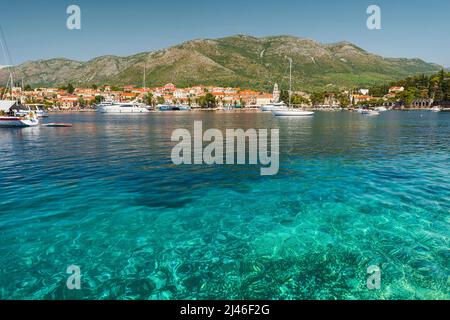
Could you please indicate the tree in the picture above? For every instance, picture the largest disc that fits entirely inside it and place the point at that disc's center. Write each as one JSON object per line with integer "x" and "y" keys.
{"x": 207, "y": 101}
{"x": 28, "y": 88}
{"x": 284, "y": 96}
{"x": 299, "y": 100}
{"x": 81, "y": 102}
{"x": 70, "y": 88}
{"x": 379, "y": 91}
{"x": 344, "y": 100}
{"x": 98, "y": 99}
{"x": 408, "y": 96}
{"x": 160, "y": 100}
{"x": 317, "y": 98}
{"x": 149, "y": 99}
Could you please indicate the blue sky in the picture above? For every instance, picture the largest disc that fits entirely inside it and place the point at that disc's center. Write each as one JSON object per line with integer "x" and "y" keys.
{"x": 36, "y": 29}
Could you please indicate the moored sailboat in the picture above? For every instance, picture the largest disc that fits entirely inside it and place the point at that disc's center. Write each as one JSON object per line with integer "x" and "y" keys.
{"x": 8, "y": 104}
{"x": 291, "y": 112}
{"x": 10, "y": 120}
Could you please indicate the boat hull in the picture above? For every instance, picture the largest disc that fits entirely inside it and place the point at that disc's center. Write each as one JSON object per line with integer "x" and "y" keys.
{"x": 292, "y": 113}
{"x": 371, "y": 113}
{"x": 272, "y": 108}
{"x": 118, "y": 110}
{"x": 174, "y": 108}
{"x": 17, "y": 122}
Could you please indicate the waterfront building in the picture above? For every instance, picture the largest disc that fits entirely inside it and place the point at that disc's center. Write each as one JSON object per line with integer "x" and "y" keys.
{"x": 422, "y": 103}
{"x": 128, "y": 88}
{"x": 396, "y": 89}
{"x": 170, "y": 87}
{"x": 356, "y": 98}
{"x": 69, "y": 102}
{"x": 264, "y": 99}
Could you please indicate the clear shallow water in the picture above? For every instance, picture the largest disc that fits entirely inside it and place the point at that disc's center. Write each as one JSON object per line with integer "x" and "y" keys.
{"x": 352, "y": 191}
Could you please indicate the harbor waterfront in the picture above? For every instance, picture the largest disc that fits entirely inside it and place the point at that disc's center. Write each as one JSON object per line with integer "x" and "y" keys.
{"x": 353, "y": 191}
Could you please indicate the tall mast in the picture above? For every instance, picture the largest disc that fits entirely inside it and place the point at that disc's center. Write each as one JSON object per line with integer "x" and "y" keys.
{"x": 145, "y": 95}
{"x": 290, "y": 80}
{"x": 8, "y": 62}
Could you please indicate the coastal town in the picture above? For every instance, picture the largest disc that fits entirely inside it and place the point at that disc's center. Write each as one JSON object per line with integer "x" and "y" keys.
{"x": 71, "y": 98}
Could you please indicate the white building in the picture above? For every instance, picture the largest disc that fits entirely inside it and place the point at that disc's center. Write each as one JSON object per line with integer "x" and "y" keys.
{"x": 180, "y": 94}
{"x": 364, "y": 92}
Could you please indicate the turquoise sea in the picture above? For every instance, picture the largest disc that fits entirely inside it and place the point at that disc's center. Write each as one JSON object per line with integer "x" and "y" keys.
{"x": 352, "y": 191}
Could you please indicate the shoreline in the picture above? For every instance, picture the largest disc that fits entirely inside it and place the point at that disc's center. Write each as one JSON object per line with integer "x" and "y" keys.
{"x": 253, "y": 110}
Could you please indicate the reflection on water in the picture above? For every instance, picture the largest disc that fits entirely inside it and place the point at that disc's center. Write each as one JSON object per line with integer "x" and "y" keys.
{"x": 352, "y": 191}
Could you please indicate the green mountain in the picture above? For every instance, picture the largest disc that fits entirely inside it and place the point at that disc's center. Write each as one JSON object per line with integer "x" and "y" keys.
{"x": 243, "y": 61}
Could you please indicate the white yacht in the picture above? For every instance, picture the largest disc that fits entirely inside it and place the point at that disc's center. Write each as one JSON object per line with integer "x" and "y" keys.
{"x": 274, "y": 106}
{"x": 381, "y": 109}
{"x": 118, "y": 107}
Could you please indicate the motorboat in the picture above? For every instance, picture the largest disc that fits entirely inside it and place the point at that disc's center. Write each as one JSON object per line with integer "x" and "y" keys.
{"x": 381, "y": 109}
{"x": 163, "y": 107}
{"x": 274, "y": 106}
{"x": 118, "y": 107}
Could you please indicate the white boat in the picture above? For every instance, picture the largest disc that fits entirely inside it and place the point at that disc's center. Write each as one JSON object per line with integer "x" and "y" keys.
{"x": 381, "y": 109}
{"x": 8, "y": 107}
{"x": 370, "y": 112}
{"x": 26, "y": 121}
{"x": 436, "y": 109}
{"x": 105, "y": 103}
{"x": 274, "y": 106}
{"x": 290, "y": 112}
{"x": 115, "y": 107}
{"x": 11, "y": 120}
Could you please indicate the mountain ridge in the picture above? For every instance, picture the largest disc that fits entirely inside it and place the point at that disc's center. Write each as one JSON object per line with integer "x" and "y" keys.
{"x": 241, "y": 60}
